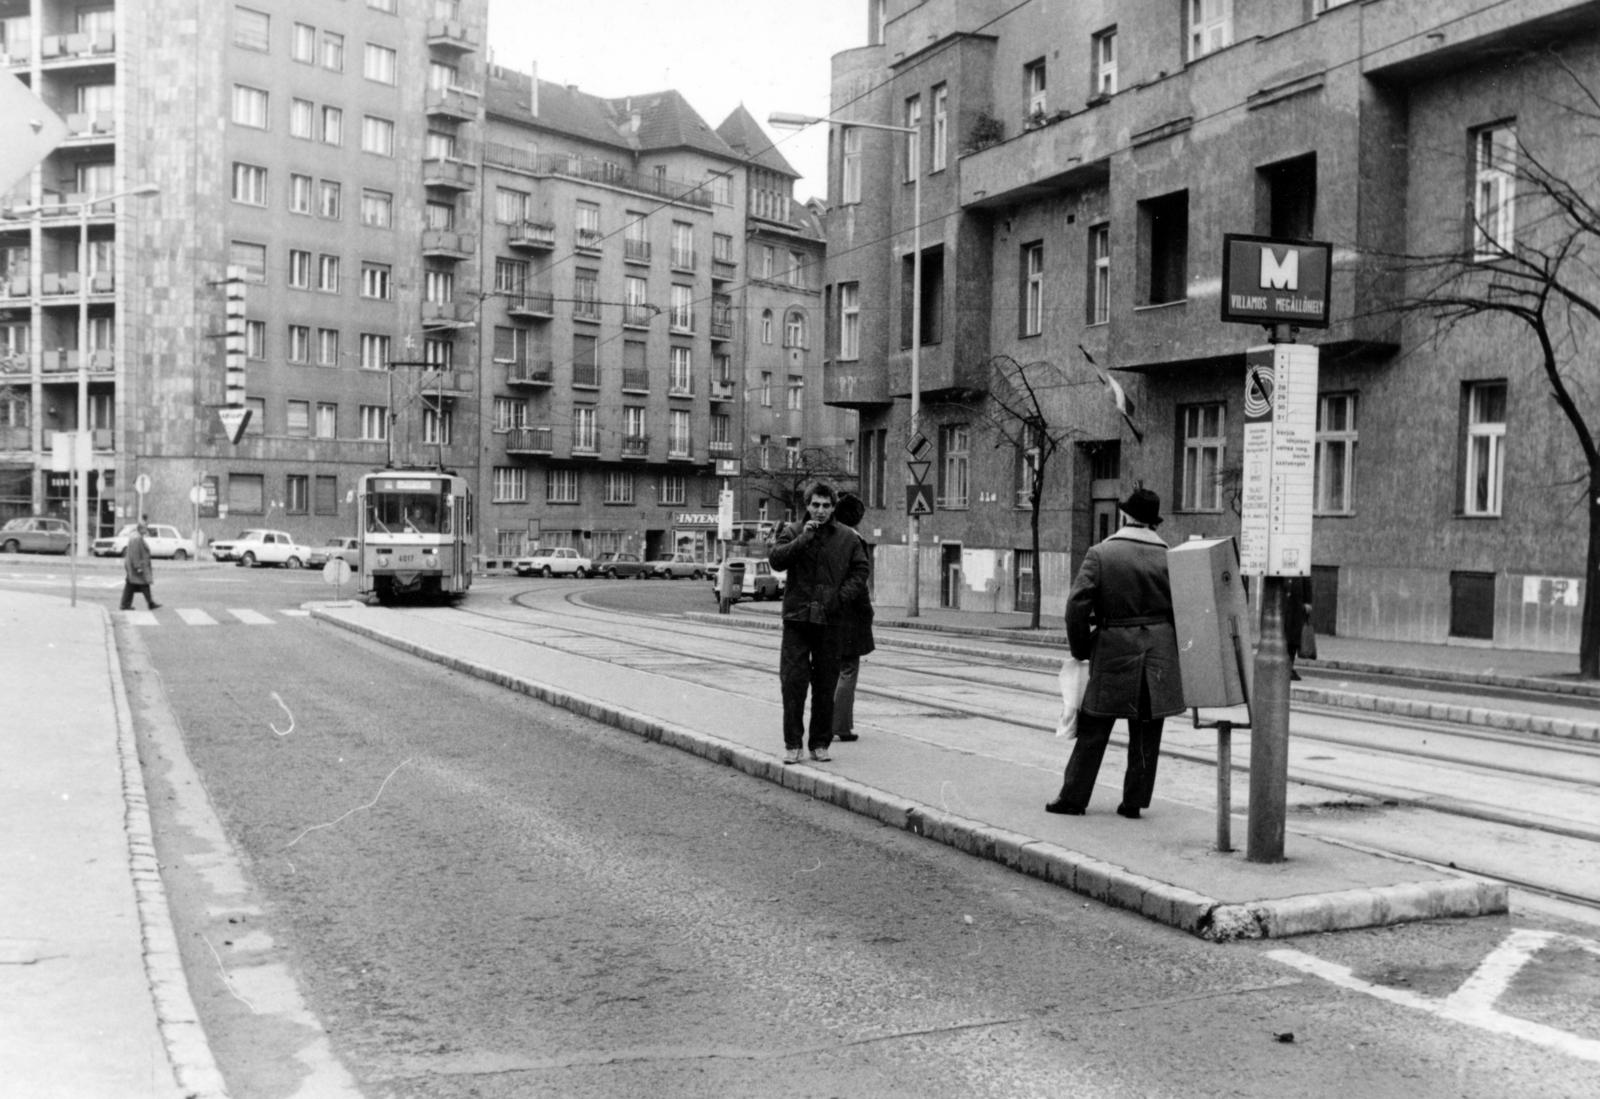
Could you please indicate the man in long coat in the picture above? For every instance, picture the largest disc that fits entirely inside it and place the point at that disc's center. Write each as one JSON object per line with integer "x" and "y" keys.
{"x": 1119, "y": 618}
{"x": 138, "y": 574}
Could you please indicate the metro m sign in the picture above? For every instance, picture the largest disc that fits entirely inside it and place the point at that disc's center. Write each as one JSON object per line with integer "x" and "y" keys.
{"x": 1266, "y": 281}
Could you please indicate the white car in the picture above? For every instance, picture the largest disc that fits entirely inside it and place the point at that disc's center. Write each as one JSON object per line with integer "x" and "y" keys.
{"x": 348, "y": 548}
{"x": 164, "y": 541}
{"x": 556, "y": 561}
{"x": 262, "y": 547}
{"x": 760, "y": 582}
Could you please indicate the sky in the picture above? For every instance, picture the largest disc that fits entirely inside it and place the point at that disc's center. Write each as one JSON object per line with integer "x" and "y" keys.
{"x": 770, "y": 55}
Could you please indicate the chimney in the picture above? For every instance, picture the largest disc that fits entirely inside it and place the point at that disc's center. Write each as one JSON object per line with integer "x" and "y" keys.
{"x": 533, "y": 92}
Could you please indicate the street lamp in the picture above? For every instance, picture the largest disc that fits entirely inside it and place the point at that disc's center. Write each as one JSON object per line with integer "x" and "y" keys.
{"x": 85, "y": 206}
{"x": 785, "y": 120}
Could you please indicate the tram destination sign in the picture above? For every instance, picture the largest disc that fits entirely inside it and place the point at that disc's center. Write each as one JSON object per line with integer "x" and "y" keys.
{"x": 1267, "y": 281}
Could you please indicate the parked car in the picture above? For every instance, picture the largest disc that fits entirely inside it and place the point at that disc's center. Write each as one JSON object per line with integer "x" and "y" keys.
{"x": 556, "y": 561}
{"x": 163, "y": 541}
{"x": 620, "y": 566}
{"x": 36, "y": 535}
{"x": 677, "y": 566}
{"x": 348, "y": 548}
{"x": 760, "y": 582}
{"x": 262, "y": 547}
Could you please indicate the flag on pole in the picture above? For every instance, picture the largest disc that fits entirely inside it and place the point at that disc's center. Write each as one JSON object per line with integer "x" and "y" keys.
{"x": 1119, "y": 396}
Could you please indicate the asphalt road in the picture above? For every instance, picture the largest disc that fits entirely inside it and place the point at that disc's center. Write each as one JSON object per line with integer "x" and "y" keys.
{"x": 470, "y": 894}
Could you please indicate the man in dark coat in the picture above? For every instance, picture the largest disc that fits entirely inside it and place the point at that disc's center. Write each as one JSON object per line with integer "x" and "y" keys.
{"x": 855, "y": 633}
{"x": 827, "y": 569}
{"x": 138, "y": 574}
{"x": 1119, "y": 618}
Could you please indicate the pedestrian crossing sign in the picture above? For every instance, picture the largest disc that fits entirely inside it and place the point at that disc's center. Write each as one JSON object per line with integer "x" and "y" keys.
{"x": 919, "y": 499}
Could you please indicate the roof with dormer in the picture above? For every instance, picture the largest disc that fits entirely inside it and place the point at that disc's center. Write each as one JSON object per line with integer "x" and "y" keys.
{"x": 744, "y": 135}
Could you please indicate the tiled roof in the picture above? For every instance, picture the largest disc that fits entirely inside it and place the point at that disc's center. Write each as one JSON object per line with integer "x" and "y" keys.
{"x": 666, "y": 121}
{"x": 561, "y": 108}
{"x": 745, "y": 137}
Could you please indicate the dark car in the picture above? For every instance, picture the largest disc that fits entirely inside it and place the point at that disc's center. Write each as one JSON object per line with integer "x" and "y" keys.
{"x": 36, "y": 535}
{"x": 677, "y": 566}
{"x": 620, "y": 566}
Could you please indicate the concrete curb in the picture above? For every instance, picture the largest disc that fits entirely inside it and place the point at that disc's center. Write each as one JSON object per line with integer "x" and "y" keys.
{"x": 188, "y": 1051}
{"x": 1107, "y": 882}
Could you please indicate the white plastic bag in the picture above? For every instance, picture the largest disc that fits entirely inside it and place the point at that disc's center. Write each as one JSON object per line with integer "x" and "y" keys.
{"x": 1074, "y": 681}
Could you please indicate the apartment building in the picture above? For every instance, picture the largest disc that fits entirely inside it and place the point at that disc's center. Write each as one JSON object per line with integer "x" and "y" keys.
{"x": 323, "y": 152}
{"x": 1079, "y": 167}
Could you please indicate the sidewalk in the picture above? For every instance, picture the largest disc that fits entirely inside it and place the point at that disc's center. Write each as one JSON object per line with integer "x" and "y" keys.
{"x": 985, "y": 801}
{"x": 93, "y": 999}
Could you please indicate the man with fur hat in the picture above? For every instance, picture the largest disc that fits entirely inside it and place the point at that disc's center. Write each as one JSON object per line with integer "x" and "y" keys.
{"x": 1119, "y": 618}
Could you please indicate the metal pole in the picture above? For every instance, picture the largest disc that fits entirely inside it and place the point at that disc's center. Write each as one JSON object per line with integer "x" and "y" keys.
{"x": 81, "y": 515}
{"x": 914, "y": 522}
{"x": 1224, "y": 786}
{"x": 1269, "y": 739}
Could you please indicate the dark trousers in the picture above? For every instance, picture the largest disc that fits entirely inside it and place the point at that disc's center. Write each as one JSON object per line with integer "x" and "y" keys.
{"x": 808, "y": 661}
{"x": 128, "y": 589}
{"x": 844, "y": 696}
{"x": 1144, "y": 749}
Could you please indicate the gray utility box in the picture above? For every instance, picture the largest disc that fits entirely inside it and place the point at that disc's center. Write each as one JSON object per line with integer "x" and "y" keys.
{"x": 1216, "y": 638}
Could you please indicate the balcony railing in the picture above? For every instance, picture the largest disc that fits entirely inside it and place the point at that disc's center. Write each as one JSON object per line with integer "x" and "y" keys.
{"x": 452, "y": 34}
{"x": 446, "y": 314}
{"x": 529, "y": 440}
{"x": 457, "y": 103}
{"x": 635, "y": 379}
{"x": 585, "y": 310}
{"x": 635, "y": 250}
{"x": 683, "y": 259}
{"x": 444, "y": 244}
{"x": 532, "y": 234}
{"x": 594, "y": 170}
{"x": 540, "y": 372}
{"x": 636, "y": 446}
{"x": 723, "y": 270}
{"x": 637, "y": 316}
{"x": 588, "y": 240}
{"x": 586, "y": 374}
{"x": 721, "y": 390}
{"x": 457, "y": 175}
{"x": 584, "y": 441}
{"x": 680, "y": 449}
{"x": 721, "y": 329}
{"x": 540, "y": 305}
{"x": 680, "y": 387}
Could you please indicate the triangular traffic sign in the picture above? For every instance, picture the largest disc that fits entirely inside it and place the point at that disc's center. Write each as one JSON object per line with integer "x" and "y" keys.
{"x": 234, "y": 421}
{"x": 919, "y": 471}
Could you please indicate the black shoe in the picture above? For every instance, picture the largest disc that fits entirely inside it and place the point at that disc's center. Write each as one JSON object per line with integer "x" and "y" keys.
{"x": 1294, "y": 676}
{"x": 1129, "y": 811}
{"x": 1061, "y": 807}
{"x": 155, "y": 606}
{"x": 846, "y": 736}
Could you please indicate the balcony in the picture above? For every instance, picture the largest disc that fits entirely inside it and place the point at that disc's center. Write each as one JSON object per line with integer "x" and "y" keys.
{"x": 680, "y": 449}
{"x": 444, "y": 244}
{"x": 16, "y": 438}
{"x": 636, "y": 446}
{"x": 530, "y": 372}
{"x": 635, "y": 379}
{"x": 84, "y": 128}
{"x": 460, "y": 104}
{"x": 446, "y": 314}
{"x": 530, "y": 440}
{"x": 637, "y": 316}
{"x": 77, "y": 47}
{"x": 102, "y": 282}
{"x": 448, "y": 173}
{"x": 58, "y": 283}
{"x": 536, "y": 306}
{"x": 586, "y": 310}
{"x": 635, "y": 250}
{"x": 17, "y": 286}
{"x": 680, "y": 387}
{"x": 721, "y": 328}
{"x": 585, "y": 443}
{"x": 103, "y": 439}
{"x": 532, "y": 235}
{"x": 722, "y": 390}
{"x": 453, "y": 35}
{"x": 724, "y": 270}
{"x": 588, "y": 240}
{"x": 66, "y": 362}
{"x": 683, "y": 259}
{"x": 854, "y": 384}
{"x": 594, "y": 170}
{"x": 585, "y": 376}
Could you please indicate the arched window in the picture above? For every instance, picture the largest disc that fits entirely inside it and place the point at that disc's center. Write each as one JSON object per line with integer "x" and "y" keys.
{"x": 766, "y": 326}
{"x": 794, "y": 329}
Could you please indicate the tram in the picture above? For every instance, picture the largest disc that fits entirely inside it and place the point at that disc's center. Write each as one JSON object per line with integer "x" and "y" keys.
{"x": 416, "y": 534}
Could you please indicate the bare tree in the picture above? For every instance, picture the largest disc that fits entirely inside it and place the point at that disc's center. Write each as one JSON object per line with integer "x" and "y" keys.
{"x": 788, "y": 483}
{"x": 1542, "y": 275}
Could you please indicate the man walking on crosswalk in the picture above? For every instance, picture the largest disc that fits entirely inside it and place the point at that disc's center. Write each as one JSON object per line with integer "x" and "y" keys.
{"x": 138, "y": 573}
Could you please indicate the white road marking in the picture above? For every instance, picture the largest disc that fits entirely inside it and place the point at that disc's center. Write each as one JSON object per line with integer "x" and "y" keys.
{"x": 141, "y": 618}
{"x": 250, "y": 617}
{"x": 193, "y": 616}
{"x": 1474, "y": 1002}
{"x": 293, "y": 612}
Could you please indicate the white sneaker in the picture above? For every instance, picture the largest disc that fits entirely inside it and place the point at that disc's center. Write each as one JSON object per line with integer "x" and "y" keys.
{"x": 793, "y": 755}
{"x": 821, "y": 755}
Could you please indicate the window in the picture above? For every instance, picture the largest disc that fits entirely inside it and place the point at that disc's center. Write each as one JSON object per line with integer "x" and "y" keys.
{"x": 374, "y": 422}
{"x": 250, "y": 106}
{"x": 586, "y": 294}
{"x": 766, "y": 326}
{"x": 561, "y": 486}
{"x": 682, "y": 318}
{"x": 252, "y": 30}
{"x": 797, "y": 269}
{"x": 438, "y": 146}
{"x": 377, "y": 135}
{"x": 325, "y": 495}
{"x": 378, "y": 63}
{"x": 510, "y": 485}
{"x": 1164, "y": 248}
{"x": 955, "y": 455}
{"x": 766, "y": 389}
{"x": 721, "y": 431}
{"x": 681, "y": 376}
{"x": 849, "y": 320}
{"x": 1103, "y": 63}
{"x": 932, "y": 296}
{"x": 941, "y": 127}
{"x": 1032, "y": 297}
{"x": 252, "y": 257}
{"x": 618, "y": 487}
{"x": 510, "y": 276}
{"x": 1336, "y": 454}
{"x": 683, "y": 245}
{"x": 437, "y": 424}
{"x": 302, "y": 117}
{"x": 439, "y": 215}
{"x": 328, "y": 274}
{"x": 328, "y": 347}
{"x": 769, "y": 261}
{"x": 509, "y": 412}
{"x": 333, "y": 51}
{"x": 299, "y": 343}
{"x": 794, "y": 329}
{"x": 255, "y": 339}
{"x": 250, "y": 184}
{"x": 722, "y": 247}
{"x": 721, "y": 188}
{"x": 439, "y": 287}
{"x": 1203, "y": 444}
{"x": 588, "y": 225}
{"x": 1099, "y": 274}
{"x": 797, "y": 393}
{"x": 303, "y": 43}
{"x": 327, "y": 423}
{"x": 678, "y": 445}
{"x": 299, "y": 194}
{"x": 377, "y": 209}
{"x": 1210, "y": 26}
{"x": 585, "y": 361}
{"x": 299, "y": 420}
{"x": 673, "y": 489}
{"x": 636, "y": 237}
{"x": 1286, "y": 198}
{"x": 850, "y": 168}
{"x": 1485, "y": 447}
{"x": 633, "y": 425}
{"x": 299, "y": 269}
{"x": 913, "y": 121}
{"x": 510, "y": 207}
{"x": 1494, "y": 159}
{"x": 246, "y": 491}
{"x": 1034, "y": 88}
{"x": 443, "y": 76}
{"x": 375, "y": 281}
{"x": 258, "y": 415}
{"x": 328, "y": 199}
{"x": 332, "y": 126}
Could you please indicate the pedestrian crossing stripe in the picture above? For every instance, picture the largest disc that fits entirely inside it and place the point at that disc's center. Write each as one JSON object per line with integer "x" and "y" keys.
{"x": 195, "y": 616}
